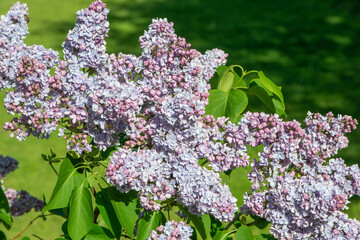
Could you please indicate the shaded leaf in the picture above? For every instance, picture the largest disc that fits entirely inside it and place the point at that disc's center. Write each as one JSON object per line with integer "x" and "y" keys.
{"x": 2, "y": 235}
{"x": 197, "y": 222}
{"x": 265, "y": 237}
{"x": 270, "y": 85}
{"x": 263, "y": 96}
{"x": 149, "y": 222}
{"x": 67, "y": 180}
{"x": 259, "y": 222}
{"x": 108, "y": 214}
{"x": 120, "y": 209}
{"x": 4, "y": 210}
{"x": 98, "y": 233}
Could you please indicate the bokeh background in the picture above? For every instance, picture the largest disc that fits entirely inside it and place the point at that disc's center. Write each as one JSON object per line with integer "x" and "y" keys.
{"x": 310, "y": 48}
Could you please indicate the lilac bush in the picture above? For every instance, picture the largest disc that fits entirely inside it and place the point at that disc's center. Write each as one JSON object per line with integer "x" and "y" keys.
{"x": 146, "y": 122}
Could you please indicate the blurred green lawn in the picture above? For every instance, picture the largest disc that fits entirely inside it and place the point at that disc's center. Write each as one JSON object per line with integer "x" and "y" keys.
{"x": 310, "y": 48}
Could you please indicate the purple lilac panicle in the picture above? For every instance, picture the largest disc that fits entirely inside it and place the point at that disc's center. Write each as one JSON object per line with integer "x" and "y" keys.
{"x": 22, "y": 202}
{"x": 158, "y": 100}
{"x": 170, "y": 125}
{"x": 19, "y": 202}
{"x": 294, "y": 187}
{"x": 7, "y": 165}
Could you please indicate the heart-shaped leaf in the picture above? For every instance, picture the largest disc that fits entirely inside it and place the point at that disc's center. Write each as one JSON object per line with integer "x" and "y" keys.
{"x": 149, "y": 222}
{"x": 81, "y": 215}
{"x": 67, "y": 180}
{"x": 119, "y": 210}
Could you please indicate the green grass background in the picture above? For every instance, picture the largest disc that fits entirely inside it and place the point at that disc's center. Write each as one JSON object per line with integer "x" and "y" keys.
{"x": 310, "y": 48}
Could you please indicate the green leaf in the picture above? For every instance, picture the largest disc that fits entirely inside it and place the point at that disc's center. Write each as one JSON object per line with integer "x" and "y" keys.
{"x": 223, "y": 235}
{"x": 226, "y": 81}
{"x": 194, "y": 234}
{"x": 270, "y": 85}
{"x": 4, "y": 210}
{"x": 259, "y": 222}
{"x": 67, "y": 180}
{"x": 240, "y": 82}
{"x": 279, "y": 106}
{"x": 120, "y": 209}
{"x": 263, "y": 96}
{"x": 81, "y": 214}
{"x": 276, "y": 104}
{"x": 220, "y": 70}
{"x": 25, "y": 238}
{"x": 197, "y": 222}
{"x": 98, "y": 233}
{"x": 244, "y": 233}
{"x": 2, "y": 235}
{"x": 217, "y": 103}
{"x": 62, "y": 212}
{"x": 107, "y": 211}
{"x": 207, "y": 224}
{"x": 216, "y": 225}
{"x": 236, "y": 104}
{"x": 265, "y": 237}
{"x": 105, "y": 154}
{"x": 230, "y": 104}
{"x": 149, "y": 222}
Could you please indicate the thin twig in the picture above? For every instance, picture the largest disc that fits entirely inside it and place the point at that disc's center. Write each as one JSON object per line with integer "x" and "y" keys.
{"x": 232, "y": 221}
{"x": 96, "y": 214}
{"x": 20, "y": 233}
{"x": 53, "y": 168}
{"x": 37, "y": 237}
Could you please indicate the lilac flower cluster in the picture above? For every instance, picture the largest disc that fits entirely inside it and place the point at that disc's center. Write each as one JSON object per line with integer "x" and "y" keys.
{"x": 294, "y": 187}
{"x": 7, "y": 165}
{"x": 170, "y": 126}
{"x": 172, "y": 230}
{"x": 158, "y": 100}
{"x": 22, "y": 202}
{"x": 90, "y": 94}
{"x": 19, "y": 202}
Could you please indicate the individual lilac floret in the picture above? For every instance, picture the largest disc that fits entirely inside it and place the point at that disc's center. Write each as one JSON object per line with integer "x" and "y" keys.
{"x": 172, "y": 230}
{"x": 7, "y": 165}
{"x": 22, "y": 202}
